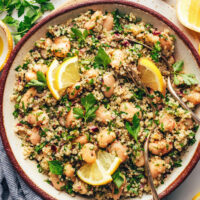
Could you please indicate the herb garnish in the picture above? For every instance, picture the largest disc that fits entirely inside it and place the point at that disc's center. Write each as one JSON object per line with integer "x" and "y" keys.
{"x": 155, "y": 53}
{"x": 134, "y": 129}
{"x": 55, "y": 167}
{"x": 77, "y": 34}
{"x": 118, "y": 178}
{"x": 32, "y": 12}
{"x": 102, "y": 58}
{"x": 88, "y": 102}
{"x": 40, "y": 83}
{"x": 188, "y": 79}
{"x": 117, "y": 15}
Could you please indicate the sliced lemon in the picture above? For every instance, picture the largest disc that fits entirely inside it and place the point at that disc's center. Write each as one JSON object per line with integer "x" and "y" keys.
{"x": 150, "y": 75}
{"x": 109, "y": 162}
{"x": 99, "y": 172}
{"x": 67, "y": 73}
{"x": 188, "y": 12}
{"x": 51, "y": 79}
{"x": 197, "y": 196}
{"x": 6, "y": 44}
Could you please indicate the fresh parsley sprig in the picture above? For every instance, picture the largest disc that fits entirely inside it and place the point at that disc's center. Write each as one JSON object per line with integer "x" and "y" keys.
{"x": 188, "y": 79}
{"x": 134, "y": 129}
{"x": 155, "y": 53}
{"x": 88, "y": 102}
{"x": 40, "y": 83}
{"x": 77, "y": 34}
{"x": 102, "y": 58}
{"x": 32, "y": 11}
{"x": 118, "y": 178}
{"x": 55, "y": 167}
{"x": 117, "y": 16}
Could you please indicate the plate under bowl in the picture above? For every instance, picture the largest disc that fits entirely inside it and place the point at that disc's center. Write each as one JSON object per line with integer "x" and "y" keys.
{"x": 27, "y": 169}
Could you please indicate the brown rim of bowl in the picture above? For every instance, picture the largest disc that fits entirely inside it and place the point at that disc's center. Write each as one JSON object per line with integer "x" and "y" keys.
{"x": 6, "y": 144}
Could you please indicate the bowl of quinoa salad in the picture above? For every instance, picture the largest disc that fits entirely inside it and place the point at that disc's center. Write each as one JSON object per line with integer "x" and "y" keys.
{"x": 97, "y": 123}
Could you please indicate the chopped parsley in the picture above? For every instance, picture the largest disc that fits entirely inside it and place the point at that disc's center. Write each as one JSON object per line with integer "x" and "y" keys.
{"x": 155, "y": 53}
{"x": 55, "y": 167}
{"x": 134, "y": 129}
{"x": 102, "y": 58}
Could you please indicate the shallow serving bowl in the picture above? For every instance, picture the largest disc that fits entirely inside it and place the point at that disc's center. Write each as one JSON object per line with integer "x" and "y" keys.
{"x": 28, "y": 169}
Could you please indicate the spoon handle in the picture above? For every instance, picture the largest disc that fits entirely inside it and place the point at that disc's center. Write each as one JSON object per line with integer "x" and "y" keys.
{"x": 147, "y": 169}
{"x": 172, "y": 91}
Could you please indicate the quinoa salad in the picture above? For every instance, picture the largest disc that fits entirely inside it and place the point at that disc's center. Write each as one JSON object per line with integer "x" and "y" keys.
{"x": 104, "y": 111}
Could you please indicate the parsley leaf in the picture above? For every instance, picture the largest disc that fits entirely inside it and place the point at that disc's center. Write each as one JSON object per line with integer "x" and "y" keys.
{"x": 102, "y": 58}
{"x": 188, "y": 79}
{"x": 155, "y": 53}
{"x": 40, "y": 83}
{"x": 88, "y": 103}
{"x": 79, "y": 113}
{"x": 117, "y": 15}
{"x": 32, "y": 11}
{"x": 135, "y": 128}
{"x": 178, "y": 66}
{"x": 77, "y": 34}
{"x": 39, "y": 147}
{"x": 118, "y": 178}
{"x": 55, "y": 167}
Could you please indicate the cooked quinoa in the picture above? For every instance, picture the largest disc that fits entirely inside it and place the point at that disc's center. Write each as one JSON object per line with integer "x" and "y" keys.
{"x": 105, "y": 109}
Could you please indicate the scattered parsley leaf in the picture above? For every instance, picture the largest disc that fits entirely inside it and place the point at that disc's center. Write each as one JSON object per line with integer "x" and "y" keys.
{"x": 77, "y": 34}
{"x": 118, "y": 178}
{"x": 89, "y": 103}
{"x": 79, "y": 113}
{"x": 55, "y": 167}
{"x": 155, "y": 53}
{"x": 178, "y": 66}
{"x": 135, "y": 128}
{"x": 189, "y": 79}
{"x": 102, "y": 58}
{"x": 117, "y": 16}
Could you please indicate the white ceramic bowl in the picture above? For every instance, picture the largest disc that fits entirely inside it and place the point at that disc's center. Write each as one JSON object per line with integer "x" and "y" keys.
{"x": 27, "y": 169}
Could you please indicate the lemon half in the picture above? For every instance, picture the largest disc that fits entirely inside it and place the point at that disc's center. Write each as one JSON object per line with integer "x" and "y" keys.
{"x": 188, "y": 13}
{"x": 67, "y": 73}
{"x": 151, "y": 75}
{"x": 99, "y": 172}
{"x": 6, "y": 44}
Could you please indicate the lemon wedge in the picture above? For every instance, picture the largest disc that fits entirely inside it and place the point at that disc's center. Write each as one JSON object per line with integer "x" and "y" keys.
{"x": 6, "y": 44}
{"x": 197, "y": 196}
{"x": 188, "y": 13}
{"x": 99, "y": 172}
{"x": 67, "y": 73}
{"x": 51, "y": 79}
{"x": 151, "y": 75}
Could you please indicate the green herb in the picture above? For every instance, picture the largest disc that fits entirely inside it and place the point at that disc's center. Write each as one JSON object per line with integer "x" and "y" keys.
{"x": 134, "y": 129}
{"x": 39, "y": 147}
{"x": 32, "y": 11}
{"x": 178, "y": 66}
{"x": 177, "y": 163}
{"x": 40, "y": 83}
{"x": 118, "y": 178}
{"x": 155, "y": 53}
{"x": 69, "y": 187}
{"x": 188, "y": 79}
{"x": 55, "y": 167}
{"x": 79, "y": 113}
{"x": 102, "y": 58}
{"x": 117, "y": 16}
{"x": 77, "y": 34}
{"x": 89, "y": 103}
